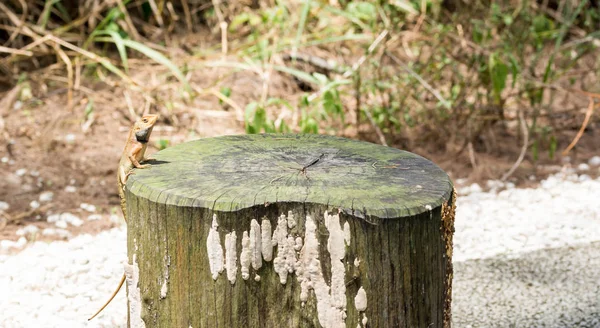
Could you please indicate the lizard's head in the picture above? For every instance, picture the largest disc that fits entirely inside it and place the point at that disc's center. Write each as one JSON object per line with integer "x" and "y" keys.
{"x": 143, "y": 127}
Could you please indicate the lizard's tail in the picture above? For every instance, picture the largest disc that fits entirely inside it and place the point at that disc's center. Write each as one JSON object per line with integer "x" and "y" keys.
{"x": 111, "y": 298}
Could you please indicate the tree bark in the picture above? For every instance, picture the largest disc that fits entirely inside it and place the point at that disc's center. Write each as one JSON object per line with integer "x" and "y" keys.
{"x": 289, "y": 231}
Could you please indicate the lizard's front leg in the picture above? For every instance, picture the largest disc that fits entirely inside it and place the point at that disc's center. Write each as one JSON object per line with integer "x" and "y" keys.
{"x": 133, "y": 154}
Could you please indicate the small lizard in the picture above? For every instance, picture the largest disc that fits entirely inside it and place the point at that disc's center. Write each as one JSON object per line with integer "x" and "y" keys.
{"x": 133, "y": 154}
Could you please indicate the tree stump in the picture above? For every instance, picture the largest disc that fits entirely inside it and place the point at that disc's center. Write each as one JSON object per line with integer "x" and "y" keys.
{"x": 289, "y": 231}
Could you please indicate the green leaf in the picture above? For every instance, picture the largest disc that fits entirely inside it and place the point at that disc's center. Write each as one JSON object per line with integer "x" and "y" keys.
{"x": 162, "y": 144}
{"x": 498, "y": 74}
{"x": 514, "y": 69}
{"x": 331, "y": 103}
{"x": 534, "y": 150}
{"x": 121, "y": 48}
{"x": 226, "y": 91}
{"x": 365, "y": 11}
{"x": 89, "y": 109}
{"x": 405, "y": 6}
{"x": 553, "y": 145}
{"x": 159, "y": 58}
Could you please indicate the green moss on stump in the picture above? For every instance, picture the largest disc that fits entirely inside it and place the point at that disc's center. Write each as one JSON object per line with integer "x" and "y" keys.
{"x": 231, "y": 173}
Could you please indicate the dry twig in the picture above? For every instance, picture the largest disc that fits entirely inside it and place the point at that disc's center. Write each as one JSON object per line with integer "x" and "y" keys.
{"x": 523, "y": 149}
{"x": 586, "y": 120}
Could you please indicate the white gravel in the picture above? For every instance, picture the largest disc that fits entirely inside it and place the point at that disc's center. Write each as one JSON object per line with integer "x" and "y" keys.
{"x": 563, "y": 210}
{"x": 60, "y": 284}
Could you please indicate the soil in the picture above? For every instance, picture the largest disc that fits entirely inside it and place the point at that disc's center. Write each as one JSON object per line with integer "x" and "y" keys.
{"x": 47, "y": 146}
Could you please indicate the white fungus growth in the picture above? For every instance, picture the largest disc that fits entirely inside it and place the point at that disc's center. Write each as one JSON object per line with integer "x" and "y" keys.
{"x": 164, "y": 287}
{"x": 356, "y": 262}
{"x": 337, "y": 251}
{"x": 360, "y": 301}
{"x": 285, "y": 261}
{"x": 132, "y": 274}
{"x": 214, "y": 249}
{"x": 245, "y": 256}
{"x": 347, "y": 233}
{"x": 298, "y": 244}
{"x": 267, "y": 243}
{"x": 331, "y": 301}
{"x": 255, "y": 245}
{"x": 257, "y": 278}
{"x": 231, "y": 256}
{"x": 290, "y": 220}
{"x": 428, "y": 207}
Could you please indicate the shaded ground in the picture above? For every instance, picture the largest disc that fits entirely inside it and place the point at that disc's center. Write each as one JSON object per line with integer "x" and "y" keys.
{"x": 546, "y": 288}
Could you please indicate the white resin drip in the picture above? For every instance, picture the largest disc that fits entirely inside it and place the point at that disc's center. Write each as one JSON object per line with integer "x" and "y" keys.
{"x": 255, "y": 245}
{"x": 245, "y": 256}
{"x": 231, "y": 256}
{"x": 267, "y": 243}
{"x": 347, "y": 233}
{"x": 360, "y": 300}
{"x": 132, "y": 274}
{"x": 331, "y": 302}
{"x": 214, "y": 249}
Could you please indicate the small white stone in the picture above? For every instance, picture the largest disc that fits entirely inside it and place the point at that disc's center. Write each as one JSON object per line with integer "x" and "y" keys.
{"x": 114, "y": 218}
{"x": 61, "y": 224}
{"x": 583, "y": 167}
{"x": 71, "y": 219}
{"x": 34, "y": 173}
{"x": 584, "y": 177}
{"x": 94, "y": 217}
{"x": 4, "y": 159}
{"x": 88, "y": 207}
{"x": 566, "y": 160}
{"x": 46, "y": 196}
{"x": 475, "y": 188}
{"x": 70, "y": 137}
{"x": 49, "y": 232}
{"x": 53, "y": 218}
{"x": 21, "y": 242}
{"x": 4, "y": 206}
{"x": 63, "y": 233}
{"x": 594, "y": 161}
{"x": 71, "y": 189}
{"x": 34, "y": 204}
{"x": 7, "y": 244}
{"x": 27, "y": 230}
{"x": 20, "y": 172}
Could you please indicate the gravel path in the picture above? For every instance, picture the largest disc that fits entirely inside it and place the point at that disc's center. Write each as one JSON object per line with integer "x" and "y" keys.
{"x": 523, "y": 258}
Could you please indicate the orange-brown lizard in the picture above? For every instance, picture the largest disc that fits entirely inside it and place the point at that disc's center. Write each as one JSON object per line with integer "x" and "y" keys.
{"x": 133, "y": 154}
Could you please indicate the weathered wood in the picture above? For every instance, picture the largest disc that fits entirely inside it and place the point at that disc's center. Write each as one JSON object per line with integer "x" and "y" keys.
{"x": 289, "y": 231}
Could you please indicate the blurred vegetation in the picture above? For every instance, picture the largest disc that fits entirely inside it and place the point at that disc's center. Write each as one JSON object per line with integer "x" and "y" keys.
{"x": 454, "y": 74}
